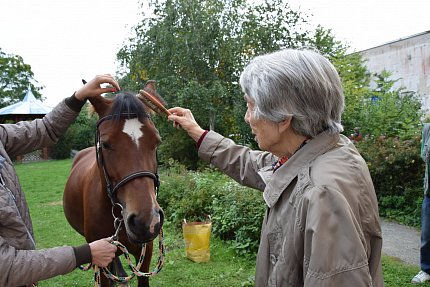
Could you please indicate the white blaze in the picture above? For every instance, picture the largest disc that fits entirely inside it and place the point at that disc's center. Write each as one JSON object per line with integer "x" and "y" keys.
{"x": 132, "y": 127}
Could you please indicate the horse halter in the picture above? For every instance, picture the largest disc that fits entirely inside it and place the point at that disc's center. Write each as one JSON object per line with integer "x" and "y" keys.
{"x": 112, "y": 190}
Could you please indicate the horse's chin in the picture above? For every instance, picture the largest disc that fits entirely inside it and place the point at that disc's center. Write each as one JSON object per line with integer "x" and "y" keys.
{"x": 136, "y": 240}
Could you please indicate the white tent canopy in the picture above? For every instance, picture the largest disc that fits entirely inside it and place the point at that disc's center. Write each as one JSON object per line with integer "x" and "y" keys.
{"x": 28, "y": 106}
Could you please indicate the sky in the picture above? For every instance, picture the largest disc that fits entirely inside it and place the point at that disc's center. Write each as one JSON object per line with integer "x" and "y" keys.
{"x": 66, "y": 41}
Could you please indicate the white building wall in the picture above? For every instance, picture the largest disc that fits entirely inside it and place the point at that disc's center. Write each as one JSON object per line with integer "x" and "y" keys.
{"x": 408, "y": 60}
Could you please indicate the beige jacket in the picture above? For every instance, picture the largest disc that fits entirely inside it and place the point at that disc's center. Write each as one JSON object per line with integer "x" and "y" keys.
{"x": 20, "y": 264}
{"x": 322, "y": 225}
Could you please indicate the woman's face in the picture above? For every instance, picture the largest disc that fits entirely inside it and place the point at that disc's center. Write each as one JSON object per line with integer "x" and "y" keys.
{"x": 266, "y": 132}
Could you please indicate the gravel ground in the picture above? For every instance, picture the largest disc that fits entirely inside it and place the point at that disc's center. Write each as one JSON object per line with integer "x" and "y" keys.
{"x": 401, "y": 241}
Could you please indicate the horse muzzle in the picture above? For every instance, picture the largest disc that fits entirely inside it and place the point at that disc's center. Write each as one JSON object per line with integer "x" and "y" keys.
{"x": 144, "y": 229}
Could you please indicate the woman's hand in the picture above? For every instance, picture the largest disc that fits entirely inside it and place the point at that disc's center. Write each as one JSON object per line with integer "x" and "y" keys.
{"x": 102, "y": 252}
{"x": 185, "y": 119}
{"x": 93, "y": 88}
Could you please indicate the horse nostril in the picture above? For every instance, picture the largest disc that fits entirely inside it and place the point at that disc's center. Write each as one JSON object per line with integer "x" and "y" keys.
{"x": 133, "y": 222}
{"x": 161, "y": 217}
{"x": 144, "y": 229}
{"x": 137, "y": 225}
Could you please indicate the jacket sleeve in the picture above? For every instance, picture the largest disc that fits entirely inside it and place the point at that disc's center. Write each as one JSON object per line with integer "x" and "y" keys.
{"x": 24, "y": 137}
{"x": 24, "y": 267}
{"x": 425, "y": 142}
{"x": 239, "y": 162}
{"x": 334, "y": 245}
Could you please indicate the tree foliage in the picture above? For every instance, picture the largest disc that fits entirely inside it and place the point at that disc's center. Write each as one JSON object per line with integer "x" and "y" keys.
{"x": 196, "y": 51}
{"x": 391, "y": 112}
{"x": 16, "y": 78}
{"x": 377, "y": 108}
{"x": 80, "y": 135}
{"x": 371, "y": 101}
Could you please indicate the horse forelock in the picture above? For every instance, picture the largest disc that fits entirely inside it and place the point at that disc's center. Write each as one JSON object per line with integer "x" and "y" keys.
{"x": 127, "y": 105}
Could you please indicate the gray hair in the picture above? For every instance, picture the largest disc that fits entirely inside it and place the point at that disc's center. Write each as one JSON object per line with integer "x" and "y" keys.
{"x": 298, "y": 83}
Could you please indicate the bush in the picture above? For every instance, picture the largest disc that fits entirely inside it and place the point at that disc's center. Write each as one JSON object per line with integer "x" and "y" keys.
{"x": 79, "y": 135}
{"x": 238, "y": 215}
{"x": 236, "y": 211}
{"x": 397, "y": 172}
{"x": 61, "y": 150}
{"x": 188, "y": 194}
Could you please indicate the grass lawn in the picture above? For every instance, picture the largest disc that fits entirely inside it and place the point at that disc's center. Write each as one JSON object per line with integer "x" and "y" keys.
{"x": 43, "y": 184}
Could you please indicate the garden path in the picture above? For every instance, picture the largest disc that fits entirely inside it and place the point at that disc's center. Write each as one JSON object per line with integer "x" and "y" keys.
{"x": 401, "y": 241}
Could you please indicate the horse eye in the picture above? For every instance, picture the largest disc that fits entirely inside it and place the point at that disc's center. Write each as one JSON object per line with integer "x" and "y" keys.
{"x": 106, "y": 145}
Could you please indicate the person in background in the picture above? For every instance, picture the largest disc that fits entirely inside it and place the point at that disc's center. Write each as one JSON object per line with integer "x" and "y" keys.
{"x": 424, "y": 274}
{"x": 20, "y": 263}
{"x": 322, "y": 226}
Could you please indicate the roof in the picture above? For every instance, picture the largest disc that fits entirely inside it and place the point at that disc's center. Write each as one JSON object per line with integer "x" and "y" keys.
{"x": 28, "y": 106}
{"x": 397, "y": 40}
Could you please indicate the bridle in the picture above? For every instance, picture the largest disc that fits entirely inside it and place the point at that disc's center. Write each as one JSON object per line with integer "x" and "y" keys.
{"x": 113, "y": 189}
{"x": 112, "y": 193}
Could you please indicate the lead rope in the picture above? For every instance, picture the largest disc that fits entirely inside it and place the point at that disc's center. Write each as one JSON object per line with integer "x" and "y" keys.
{"x": 135, "y": 269}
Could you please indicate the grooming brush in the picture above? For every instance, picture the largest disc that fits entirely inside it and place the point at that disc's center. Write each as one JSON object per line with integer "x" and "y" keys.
{"x": 153, "y": 103}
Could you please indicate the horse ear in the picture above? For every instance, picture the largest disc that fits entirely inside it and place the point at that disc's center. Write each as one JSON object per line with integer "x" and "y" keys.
{"x": 100, "y": 105}
{"x": 150, "y": 88}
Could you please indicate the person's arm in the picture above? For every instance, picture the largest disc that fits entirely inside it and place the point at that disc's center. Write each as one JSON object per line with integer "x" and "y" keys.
{"x": 24, "y": 267}
{"x": 246, "y": 166}
{"x": 239, "y": 162}
{"x": 424, "y": 142}
{"x": 91, "y": 89}
{"x": 24, "y": 137}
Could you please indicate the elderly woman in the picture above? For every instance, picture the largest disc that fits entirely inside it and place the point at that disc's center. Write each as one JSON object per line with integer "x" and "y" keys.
{"x": 322, "y": 225}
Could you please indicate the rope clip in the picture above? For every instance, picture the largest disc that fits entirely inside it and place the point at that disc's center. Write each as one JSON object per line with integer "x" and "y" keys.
{"x": 117, "y": 222}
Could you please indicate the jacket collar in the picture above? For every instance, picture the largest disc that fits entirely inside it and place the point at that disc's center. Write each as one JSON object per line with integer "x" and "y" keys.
{"x": 279, "y": 181}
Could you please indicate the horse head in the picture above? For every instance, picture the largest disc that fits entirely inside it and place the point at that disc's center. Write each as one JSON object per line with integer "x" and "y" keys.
{"x": 126, "y": 147}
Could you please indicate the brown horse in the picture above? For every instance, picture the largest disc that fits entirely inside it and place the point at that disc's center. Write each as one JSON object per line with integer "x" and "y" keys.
{"x": 118, "y": 179}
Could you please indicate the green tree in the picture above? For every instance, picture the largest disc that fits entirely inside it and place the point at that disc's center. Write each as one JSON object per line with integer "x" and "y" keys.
{"x": 82, "y": 131}
{"x": 353, "y": 73}
{"x": 356, "y": 87}
{"x": 196, "y": 51}
{"x": 15, "y": 79}
{"x": 389, "y": 111}
{"x": 78, "y": 136}
{"x": 371, "y": 101}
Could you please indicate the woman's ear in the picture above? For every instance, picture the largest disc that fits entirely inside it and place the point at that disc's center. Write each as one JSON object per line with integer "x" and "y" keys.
{"x": 285, "y": 124}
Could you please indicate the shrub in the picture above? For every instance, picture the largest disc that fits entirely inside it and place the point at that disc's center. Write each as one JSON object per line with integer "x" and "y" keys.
{"x": 238, "y": 215}
{"x": 188, "y": 194}
{"x": 236, "y": 211}
{"x": 401, "y": 209}
{"x": 78, "y": 136}
{"x": 397, "y": 172}
{"x": 61, "y": 150}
